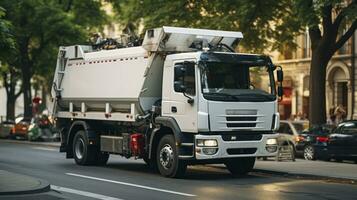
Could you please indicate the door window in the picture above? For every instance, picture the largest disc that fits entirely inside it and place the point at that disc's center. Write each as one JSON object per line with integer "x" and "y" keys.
{"x": 188, "y": 79}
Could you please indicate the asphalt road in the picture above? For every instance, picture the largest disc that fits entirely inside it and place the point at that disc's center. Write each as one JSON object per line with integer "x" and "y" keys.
{"x": 131, "y": 179}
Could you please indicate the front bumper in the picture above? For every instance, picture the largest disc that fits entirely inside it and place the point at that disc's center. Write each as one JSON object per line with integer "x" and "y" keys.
{"x": 231, "y": 149}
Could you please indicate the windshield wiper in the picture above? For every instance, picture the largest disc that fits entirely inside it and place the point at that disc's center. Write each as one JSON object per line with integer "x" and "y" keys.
{"x": 222, "y": 94}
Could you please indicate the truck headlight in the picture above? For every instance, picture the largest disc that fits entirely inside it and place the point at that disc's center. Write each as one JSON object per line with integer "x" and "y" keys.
{"x": 207, "y": 143}
{"x": 272, "y": 141}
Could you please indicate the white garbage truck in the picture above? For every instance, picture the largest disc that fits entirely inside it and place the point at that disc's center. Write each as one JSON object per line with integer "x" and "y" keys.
{"x": 181, "y": 97}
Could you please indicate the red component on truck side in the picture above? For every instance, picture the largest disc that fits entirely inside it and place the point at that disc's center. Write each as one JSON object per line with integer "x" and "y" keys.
{"x": 137, "y": 142}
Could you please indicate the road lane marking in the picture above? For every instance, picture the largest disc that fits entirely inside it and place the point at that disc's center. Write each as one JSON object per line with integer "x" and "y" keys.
{"x": 45, "y": 149}
{"x": 82, "y": 193}
{"x": 131, "y": 184}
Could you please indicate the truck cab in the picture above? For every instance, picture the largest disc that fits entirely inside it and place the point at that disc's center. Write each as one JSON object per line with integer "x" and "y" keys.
{"x": 224, "y": 99}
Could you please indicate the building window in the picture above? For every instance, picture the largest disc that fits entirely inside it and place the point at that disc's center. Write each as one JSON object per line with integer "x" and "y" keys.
{"x": 306, "y": 83}
{"x": 306, "y": 46}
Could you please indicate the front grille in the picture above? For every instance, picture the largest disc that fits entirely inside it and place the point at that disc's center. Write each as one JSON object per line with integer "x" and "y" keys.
{"x": 240, "y": 125}
{"x": 241, "y": 151}
{"x": 241, "y": 118}
{"x": 242, "y": 137}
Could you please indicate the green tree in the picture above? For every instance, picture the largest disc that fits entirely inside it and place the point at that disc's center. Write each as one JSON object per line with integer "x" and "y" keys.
{"x": 260, "y": 21}
{"x": 265, "y": 24}
{"x": 6, "y": 39}
{"x": 10, "y": 80}
{"x": 9, "y": 75}
{"x": 40, "y": 26}
{"x": 330, "y": 24}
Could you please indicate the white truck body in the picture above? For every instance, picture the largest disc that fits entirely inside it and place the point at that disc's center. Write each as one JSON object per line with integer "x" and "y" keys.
{"x": 124, "y": 86}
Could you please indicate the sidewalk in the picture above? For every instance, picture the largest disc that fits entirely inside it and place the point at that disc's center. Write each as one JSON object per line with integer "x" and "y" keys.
{"x": 12, "y": 183}
{"x": 50, "y": 144}
{"x": 310, "y": 168}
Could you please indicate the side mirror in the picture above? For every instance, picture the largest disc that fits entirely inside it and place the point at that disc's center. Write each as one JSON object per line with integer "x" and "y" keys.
{"x": 180, "y": 70}
{"x": 280, "y": 91}
{"x": 280, "y": 75}
{"x": 179, "y": 86}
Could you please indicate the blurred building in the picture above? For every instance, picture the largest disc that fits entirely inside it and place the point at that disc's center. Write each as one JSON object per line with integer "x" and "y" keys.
{"x": 340, "y": 79}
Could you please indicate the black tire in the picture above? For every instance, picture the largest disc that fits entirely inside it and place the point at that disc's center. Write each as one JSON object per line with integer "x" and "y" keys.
{"x": 240, "y": 166}
{"x": 309, "y": 152}
{"x": 83, "y": 153}
{"x": 167, "y": 159}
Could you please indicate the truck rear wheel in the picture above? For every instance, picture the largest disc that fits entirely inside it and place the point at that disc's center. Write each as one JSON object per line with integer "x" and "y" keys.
{"x": 167, "y": 159}
{"x": 240, "y": 166}
{"x": 83, "y": 153}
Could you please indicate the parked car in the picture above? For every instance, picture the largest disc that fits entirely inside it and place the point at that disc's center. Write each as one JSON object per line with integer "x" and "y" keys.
{"x": 289, "y": 131}
{"x": 20, "y": 129}
{"x": 5, "y": 128}
{"x": 342, "y": 143}
{"x": 314, "y": 143}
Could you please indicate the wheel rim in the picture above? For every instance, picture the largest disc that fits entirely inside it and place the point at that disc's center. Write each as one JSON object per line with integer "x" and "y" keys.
{"x": 309, "y": 153}
{"x": 166, "y": 156}
{"x": 79, "y": 148}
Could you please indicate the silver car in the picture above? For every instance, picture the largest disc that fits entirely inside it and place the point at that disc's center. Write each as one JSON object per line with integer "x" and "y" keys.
{"x": 289, "y": 131}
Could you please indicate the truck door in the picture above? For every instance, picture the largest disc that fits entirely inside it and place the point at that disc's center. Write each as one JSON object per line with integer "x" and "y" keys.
{"x": 181, "y": 105}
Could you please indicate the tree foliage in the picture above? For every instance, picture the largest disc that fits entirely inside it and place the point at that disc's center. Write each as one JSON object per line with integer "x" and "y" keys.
{"x": 260, "y": 21}
{"x": 265, "y": 25}
{"x": 6, "y": 39}
{"x": 39, "y": 27}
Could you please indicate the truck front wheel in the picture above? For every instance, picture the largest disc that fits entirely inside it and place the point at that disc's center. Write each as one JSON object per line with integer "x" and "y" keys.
{"x": 167, "y": 159}
{"x": 83, "y": 153}
{"x": 240, "y": 166}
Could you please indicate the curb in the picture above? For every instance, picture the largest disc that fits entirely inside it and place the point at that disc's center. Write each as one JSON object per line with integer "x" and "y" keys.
{"x": 301, "y": 176}
{"x": 47, "y": 144}
{"x": 307, "y": 176}
{"x": 44, "y": 188}
{"x": 36, "y": 186}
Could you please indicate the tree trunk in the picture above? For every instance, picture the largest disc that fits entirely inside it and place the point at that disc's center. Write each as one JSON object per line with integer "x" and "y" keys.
{"x": 26, "y": 78}
{"x": 317, "y": 100}
{"x": 44, "y": 94}
{"x": 10, "y": 107}
{"x": 10, "y": 81}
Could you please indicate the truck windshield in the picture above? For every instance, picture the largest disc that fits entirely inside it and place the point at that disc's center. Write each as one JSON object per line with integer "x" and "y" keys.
{"x": 223, "y": 81}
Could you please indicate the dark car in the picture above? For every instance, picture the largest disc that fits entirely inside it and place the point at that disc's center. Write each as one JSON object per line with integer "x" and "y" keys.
{"x": 326, "y": 143}
{"x": 313, "y": 143}
{"x": 342, "y": 144}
